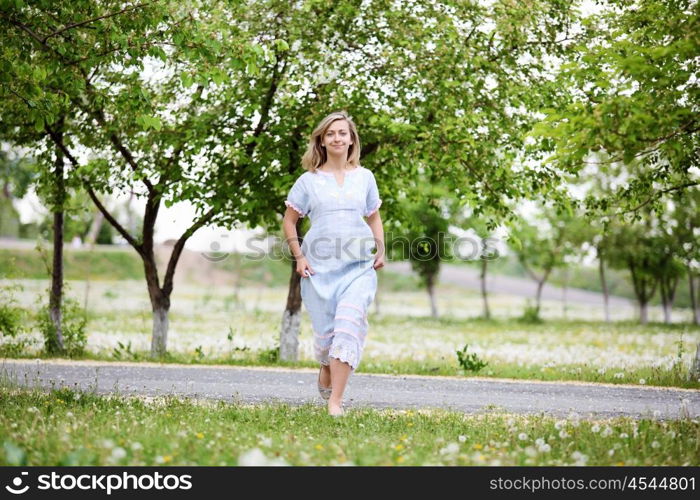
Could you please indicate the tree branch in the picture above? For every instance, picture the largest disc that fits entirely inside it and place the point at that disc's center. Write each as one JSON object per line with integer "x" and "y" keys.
{"x": 657, "y": 195}
{"x": 267, "y": 104}
{"x": 36, "y": 38}
{"x": 130, "y": 239}
{"x": 56, "y": 138}
{"x": 179, "y": 246}
{"x": 98, "y": 115}
{"x": 88, "y": 21}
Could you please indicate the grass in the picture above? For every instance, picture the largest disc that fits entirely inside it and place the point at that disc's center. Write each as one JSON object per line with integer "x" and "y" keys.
{"x": 114, "y": 264}
{"x": 68, "y": 427}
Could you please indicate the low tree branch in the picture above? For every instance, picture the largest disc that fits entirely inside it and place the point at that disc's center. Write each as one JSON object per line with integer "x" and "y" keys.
{"x": 179, "y": 246}
{"x": 88, "y": 21}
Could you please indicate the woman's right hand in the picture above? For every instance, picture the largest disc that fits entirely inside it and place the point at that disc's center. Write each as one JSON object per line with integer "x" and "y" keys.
{"x": 303, "y": 266}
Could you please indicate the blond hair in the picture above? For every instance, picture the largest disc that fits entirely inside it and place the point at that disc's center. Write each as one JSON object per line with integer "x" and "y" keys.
{"x": 316, "y": 156}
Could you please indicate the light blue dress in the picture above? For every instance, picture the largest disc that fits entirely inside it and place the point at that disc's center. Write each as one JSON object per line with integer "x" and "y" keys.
{"x": 339, "y": 249}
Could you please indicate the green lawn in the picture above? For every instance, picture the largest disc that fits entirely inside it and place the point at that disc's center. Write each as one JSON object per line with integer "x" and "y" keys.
{"x": 63, "y": 427}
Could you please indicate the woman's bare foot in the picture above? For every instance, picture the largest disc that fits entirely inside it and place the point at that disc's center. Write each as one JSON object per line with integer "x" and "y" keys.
{"x": 335, "y": 409}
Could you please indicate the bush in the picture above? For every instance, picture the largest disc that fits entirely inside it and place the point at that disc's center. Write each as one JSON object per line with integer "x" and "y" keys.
{"x": 11, "y": 323}
{"x": 74, "y": 320}
{"x": 125, "y": 352}
{"x": 269, "y": 355}
{"x": 470, "y": 361}
{"x": 531, "y": 315}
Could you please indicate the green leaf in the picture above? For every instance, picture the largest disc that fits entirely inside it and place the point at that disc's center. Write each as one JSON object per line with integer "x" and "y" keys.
{"x": 282, "y": 45}
{"x": 39, "y": 124}
{"x": 517, "y": 244}
{"x": 252, "y": 68}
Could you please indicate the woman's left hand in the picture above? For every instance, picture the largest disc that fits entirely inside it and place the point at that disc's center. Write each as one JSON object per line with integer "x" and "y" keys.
{"x": 378, "y": 262}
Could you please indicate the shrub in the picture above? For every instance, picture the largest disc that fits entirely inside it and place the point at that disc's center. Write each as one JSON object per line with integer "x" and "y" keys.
{"x": 11, "y": 323}
{"x": 269, "y": 355}
{"x": 74, "y": 321}
{"x": 531, "y": 314}
{"x": 470, "y": 361}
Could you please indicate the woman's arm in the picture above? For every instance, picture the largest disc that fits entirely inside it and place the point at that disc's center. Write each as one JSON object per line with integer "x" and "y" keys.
{"x": 289, "y": 227}
{"x": 375, "y": 223}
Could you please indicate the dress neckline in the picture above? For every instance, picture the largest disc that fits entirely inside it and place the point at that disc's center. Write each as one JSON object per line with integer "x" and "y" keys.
{"x": 345, "y": 172}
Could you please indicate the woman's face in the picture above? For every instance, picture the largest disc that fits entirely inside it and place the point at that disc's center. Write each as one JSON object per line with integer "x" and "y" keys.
{"x": 337, "y": 139}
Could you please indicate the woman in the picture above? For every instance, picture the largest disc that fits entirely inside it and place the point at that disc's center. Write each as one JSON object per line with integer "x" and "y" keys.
{"x": 335, "y": 261}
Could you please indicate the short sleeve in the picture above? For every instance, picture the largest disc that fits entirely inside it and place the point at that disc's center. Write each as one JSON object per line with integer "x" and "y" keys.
{"x": 298, "y": 198}
{"x": 373, "y": 201}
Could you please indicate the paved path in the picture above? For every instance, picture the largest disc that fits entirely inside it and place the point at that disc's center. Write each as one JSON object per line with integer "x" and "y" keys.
{"x": 269, "y": 385}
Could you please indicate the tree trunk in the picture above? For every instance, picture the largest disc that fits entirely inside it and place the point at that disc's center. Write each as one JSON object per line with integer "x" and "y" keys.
{"x": 160, "y": 305}
{"x": 56, "y": 296}
{"x": 538, "y": 296}
{"x": 431, "y": 294}
{"x": 693, "y": 299}
{"x": 604, "y": 285}
{"x": 159, "y": 341}
{"x": 563, "y": 292}
{"x": 667, "y": 312}
{"x": 291, "y": 317}
{"x": 644, "y": 288}
{"x": 484, "y": 293}
{"x": 667, "y": 287}
{"x": 643, "y": 312}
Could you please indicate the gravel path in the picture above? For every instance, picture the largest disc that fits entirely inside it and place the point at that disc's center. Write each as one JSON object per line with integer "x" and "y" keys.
{"x": 298, "y": 386}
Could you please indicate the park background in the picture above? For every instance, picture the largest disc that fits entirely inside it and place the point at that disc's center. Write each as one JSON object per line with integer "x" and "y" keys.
{"x": 148, "y": 147}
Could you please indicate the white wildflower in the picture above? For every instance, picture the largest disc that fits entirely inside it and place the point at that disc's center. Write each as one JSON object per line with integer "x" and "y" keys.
{"x": 450, "y": 449}
{"x": 256, "y": 457}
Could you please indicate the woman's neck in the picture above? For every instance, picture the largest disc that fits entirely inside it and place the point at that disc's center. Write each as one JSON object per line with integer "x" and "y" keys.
{"x": 336, "y": 164}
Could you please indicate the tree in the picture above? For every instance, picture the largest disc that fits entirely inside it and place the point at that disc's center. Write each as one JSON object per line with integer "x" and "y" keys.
{"x": 632, "y": 247}
{"x": 479, "y": 245}
{"x": 77, "y": 76}
{"x": 428, "y": 237}
{"x": 632, "y": 97}
{"x": 545, "y": 243}
{"x": 196, "y": 102}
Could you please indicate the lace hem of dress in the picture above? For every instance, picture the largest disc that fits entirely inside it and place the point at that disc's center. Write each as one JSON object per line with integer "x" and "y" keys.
{"x": 379, "y": 204}
{"x": 345, "y": 353}
{"x": 293, "y": 206}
